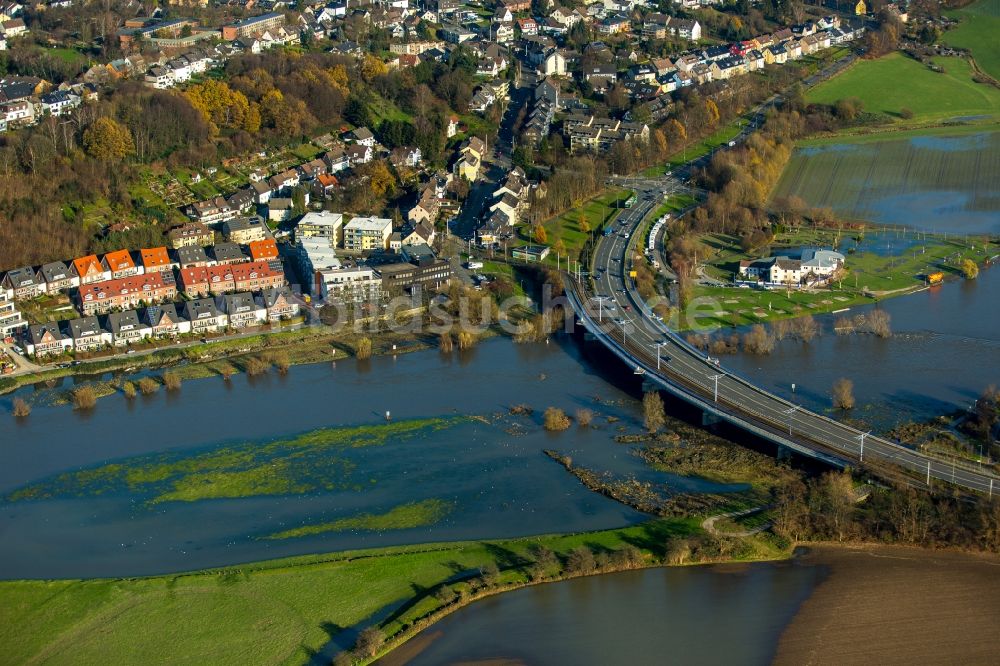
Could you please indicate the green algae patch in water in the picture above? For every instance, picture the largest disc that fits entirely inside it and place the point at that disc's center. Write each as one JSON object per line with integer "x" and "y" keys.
{"x": 299, "y": 465}
{"x": 404, "y": 516}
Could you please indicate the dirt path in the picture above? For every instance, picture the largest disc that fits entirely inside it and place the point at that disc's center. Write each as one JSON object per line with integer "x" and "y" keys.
{"x": 709, "y": 523}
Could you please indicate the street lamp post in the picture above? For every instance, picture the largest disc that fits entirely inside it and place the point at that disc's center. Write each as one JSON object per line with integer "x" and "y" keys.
{"x": 658, "y": 345}
{"x": 791, "y": 411}
{"x": 717, "y": 378}
{"x": 861, "y": 438}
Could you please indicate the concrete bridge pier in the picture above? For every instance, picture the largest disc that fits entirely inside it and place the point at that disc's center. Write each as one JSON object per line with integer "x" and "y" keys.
{"x": 589, "y": 337}
{"x": 783, "y": 454}
{"x": 709, "y": 419}
{"x": 648, "y": 386}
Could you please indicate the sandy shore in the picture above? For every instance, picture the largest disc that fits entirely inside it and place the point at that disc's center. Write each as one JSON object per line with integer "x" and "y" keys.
{"x": 894, "y": 605}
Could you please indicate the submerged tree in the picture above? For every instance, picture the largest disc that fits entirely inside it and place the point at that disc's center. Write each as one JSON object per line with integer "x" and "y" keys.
{"x": 652, "y": 411}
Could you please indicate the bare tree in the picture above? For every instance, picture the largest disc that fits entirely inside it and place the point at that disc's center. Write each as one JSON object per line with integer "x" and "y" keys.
{"x": 843, "y": 394}
{"x": 652, "y": 411}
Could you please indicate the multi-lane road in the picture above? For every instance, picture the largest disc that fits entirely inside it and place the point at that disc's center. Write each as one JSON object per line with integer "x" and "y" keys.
{"x": 615, "y": 314}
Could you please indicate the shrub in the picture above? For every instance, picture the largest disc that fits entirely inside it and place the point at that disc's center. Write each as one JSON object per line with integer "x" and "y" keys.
{"x": 171, "y": 380}
{"x": 556, "y": 419}
{"x": 969, "y": 269}
{"x": 843, "y": 326}
{"x": 652, "y": 411}
{"x": 466, "y": 340}
{"x": 843, "y": 394}
{"x": 128, "y": 388}
{"x": 21, "y": 408}
{"x": 282, "y": 362}
{"x": 445, "y": 343}
{"x": 678, "y": 551}
{"x": 364, "y": 348}
{"x": 877, "y": 322}
{"x": 369, "y": 642}
{"x": 489, "y": 574}
{"x": 906, "y": 113}
{"x": 805, "y": 328}
{"x": 84, "y": 398}
{"x": 148, "y": 386}
{"x": 580, "y": 561}
{"x": 256, "y": 365}
{"x": 758, "y": 341}
{"x": 521, "y": 409}
{"x": 584, "y": 417}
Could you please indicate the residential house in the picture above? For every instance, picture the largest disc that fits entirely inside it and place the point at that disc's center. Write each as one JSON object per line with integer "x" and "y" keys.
{"x": 279, "y": 303}
{"x": 244, "y": 230}
{"x": 59, "y": 102}
{"x": 126, "y": 292}
{"x": 89, "y": 270}
{"x": 241, "y": 308}
{"x": 336, "y": 159}
{"x": 688, "y": 29}
{"x": 190, "y": 234}
{"x": 199, "y": 281}
{"x": 87, "y": 334}
{"x": 192, "y": 256}
{"x": 263, "y": 250}
{"x": 204, "y": 316}
{"x": 11, "y": 320}
{"x": 57, "y": 276}
{"x": 363, "y": 137}
{"x": 46, "y": 340}
{"x": 359, "y": 154}
{"x": 280, "y": 209}
{"x": 212, "y": 211}
{"x": 163, "y": 321}
{"x": 23, "y": 283}
{"x": 155, "y": 259}
{"x": 421, "y": 233}
{"x": 257, "y": 275}
{"x": 120, "y": 264}
{"x": 324, "y": 224}
{"x": 126, "y": 328}
{"x": 405, "y": 156}
{"x": 228, "y": 253}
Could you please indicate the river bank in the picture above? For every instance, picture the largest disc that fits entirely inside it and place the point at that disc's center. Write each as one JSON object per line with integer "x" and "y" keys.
{"x": 759, "y": 613}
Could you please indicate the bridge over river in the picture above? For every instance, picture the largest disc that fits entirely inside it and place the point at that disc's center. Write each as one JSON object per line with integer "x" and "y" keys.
{"x": 611, "y": 310}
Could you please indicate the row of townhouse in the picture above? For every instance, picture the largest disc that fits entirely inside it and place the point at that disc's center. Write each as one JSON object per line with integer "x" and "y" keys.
{"x": 317, "y": 175}
{"x": 58, "y": 276}
{"x": 25, "y": 101}
{"x": 429, "y": 201}
{"x": 200, "y": 316}
{"x": 181, "y": 69}
{"x": 509, "y": 201}
{"x": 588, "y": 133}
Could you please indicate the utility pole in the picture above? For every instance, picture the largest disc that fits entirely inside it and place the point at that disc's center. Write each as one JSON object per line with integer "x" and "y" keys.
{"x": 791, "y": 411}
{"x": 716, "y": 394}
{"x": 862, "y": 438}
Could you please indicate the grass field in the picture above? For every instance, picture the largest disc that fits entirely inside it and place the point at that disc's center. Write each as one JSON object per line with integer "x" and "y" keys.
{"x": 980, "y": 33}
{"x": 404, "y": 516}
{"x": 939, "y": 181}
{"x": 895, "y": 81}
{"x": 596, "y": 212}
{"x": 277, "y": 612}
{"x": 305, "y": 463}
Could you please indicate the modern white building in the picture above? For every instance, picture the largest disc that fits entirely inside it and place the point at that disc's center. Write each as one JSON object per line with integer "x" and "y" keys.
{"x": 362, "y": 234}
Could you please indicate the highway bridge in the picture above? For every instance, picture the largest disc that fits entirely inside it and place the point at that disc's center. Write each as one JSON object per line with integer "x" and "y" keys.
{"x": 613, "y": 313}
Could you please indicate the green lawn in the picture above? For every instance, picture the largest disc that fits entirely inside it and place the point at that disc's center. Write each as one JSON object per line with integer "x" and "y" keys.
{"x": 720, "y": 137}
{"x": 274, "y": 612}
{"x": 596, "y": 212}
{"x": 865, "y": 271}
{"x": 306, "y": 151}
{"x": 895, "y": 81}
{"x": 980, "y": 33}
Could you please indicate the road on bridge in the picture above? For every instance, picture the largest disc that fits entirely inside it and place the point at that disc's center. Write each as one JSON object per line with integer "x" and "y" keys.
{"x": 615, "y": 313}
